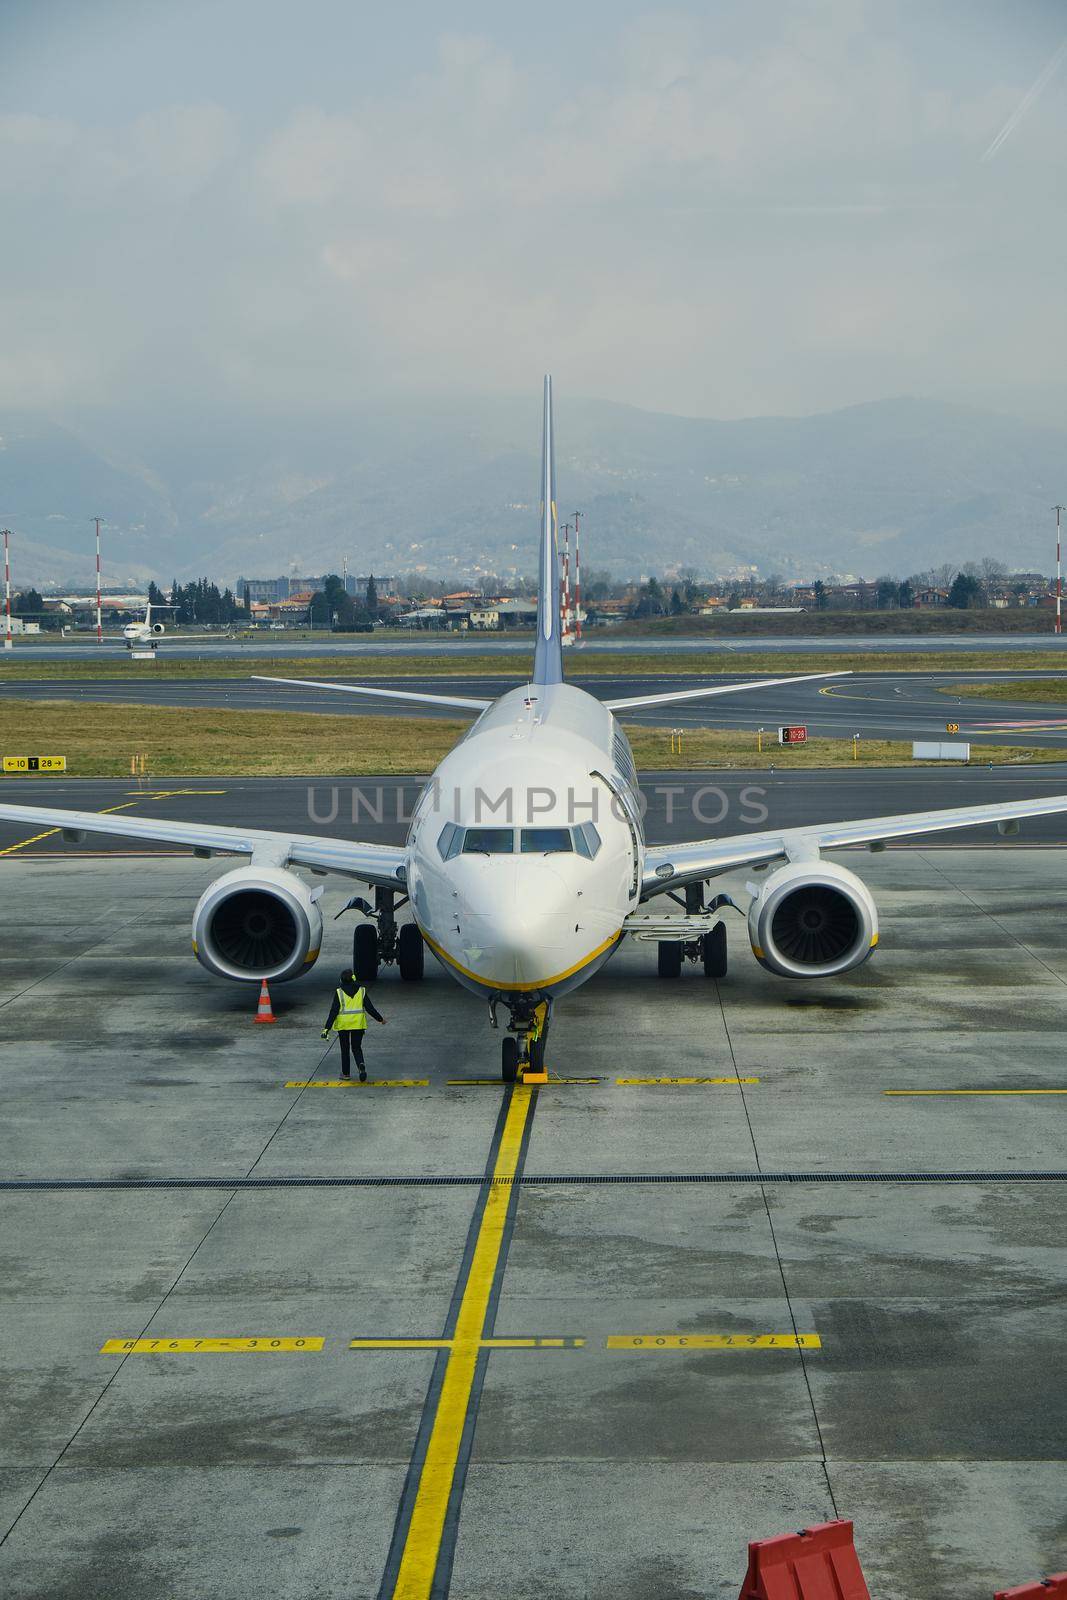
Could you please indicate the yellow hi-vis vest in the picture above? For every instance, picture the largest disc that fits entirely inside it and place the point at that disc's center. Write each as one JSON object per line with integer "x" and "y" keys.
{"x": 350, "y": 1012}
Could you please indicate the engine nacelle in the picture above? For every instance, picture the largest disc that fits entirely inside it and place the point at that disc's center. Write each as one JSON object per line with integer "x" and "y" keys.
{"x": 158, "y": 627}
{"x": 257, "y": 922}
{"x": 812, "y": 919}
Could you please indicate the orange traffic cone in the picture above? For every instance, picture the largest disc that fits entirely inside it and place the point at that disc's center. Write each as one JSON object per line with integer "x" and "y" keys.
{"x": 264, "y": 1012}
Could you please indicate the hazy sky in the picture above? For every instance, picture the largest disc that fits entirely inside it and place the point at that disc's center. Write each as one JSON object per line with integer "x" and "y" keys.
{"x": 723, "y": 209}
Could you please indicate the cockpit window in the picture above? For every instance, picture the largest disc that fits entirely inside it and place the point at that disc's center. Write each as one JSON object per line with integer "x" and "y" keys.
{"x": 546, "y": 841}
{"x": 489, "y": 842}
{"x": 586, "y": 840}
{"x": 450, "y": 840}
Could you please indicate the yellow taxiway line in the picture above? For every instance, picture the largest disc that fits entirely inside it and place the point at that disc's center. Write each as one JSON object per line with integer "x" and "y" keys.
{"x": 900, "y": 1094}
{"x": 418, "y": 1561}
{"x": 482, "y": 1344}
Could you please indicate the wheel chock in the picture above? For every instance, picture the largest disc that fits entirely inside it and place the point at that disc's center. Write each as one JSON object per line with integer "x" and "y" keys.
{"x": 818, "y": 1563}
{"x": 535, "y": 1077}
{"x": 1054, "y": 1588}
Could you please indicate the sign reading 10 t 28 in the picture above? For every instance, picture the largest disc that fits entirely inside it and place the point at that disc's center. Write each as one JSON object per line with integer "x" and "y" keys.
{"x": 35, "y": 763}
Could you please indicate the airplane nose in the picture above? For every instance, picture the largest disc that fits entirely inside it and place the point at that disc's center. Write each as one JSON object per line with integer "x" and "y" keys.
{"x": 523, "y": 930}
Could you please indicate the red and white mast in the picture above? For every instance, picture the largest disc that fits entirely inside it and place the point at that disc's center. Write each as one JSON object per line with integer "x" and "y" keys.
{"x": 99, "y": 627}
{"x": 577, "y": 583}
{"x": 1059, "y": 579}
{"x": 565, "y": 593}
{"x": 8, "y": 642}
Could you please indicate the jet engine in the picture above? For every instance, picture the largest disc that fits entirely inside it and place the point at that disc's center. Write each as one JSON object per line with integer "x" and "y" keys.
{"x": 257, "y": 922}
{"x": 812, "y": 919}
{"x": 158, "y": 627}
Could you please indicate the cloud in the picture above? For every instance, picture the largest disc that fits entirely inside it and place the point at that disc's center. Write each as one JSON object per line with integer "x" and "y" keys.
{"x": 704, "y": 212}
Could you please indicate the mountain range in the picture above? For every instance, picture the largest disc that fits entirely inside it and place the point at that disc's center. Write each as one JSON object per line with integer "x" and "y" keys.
{"x": 449, "y": 487}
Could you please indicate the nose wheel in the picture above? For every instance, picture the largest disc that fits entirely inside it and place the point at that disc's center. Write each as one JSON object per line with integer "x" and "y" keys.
{"x": 522, "y": 1052}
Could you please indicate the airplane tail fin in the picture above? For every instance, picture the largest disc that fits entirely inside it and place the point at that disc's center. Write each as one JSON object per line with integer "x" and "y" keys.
{"x": 548, "y": 652}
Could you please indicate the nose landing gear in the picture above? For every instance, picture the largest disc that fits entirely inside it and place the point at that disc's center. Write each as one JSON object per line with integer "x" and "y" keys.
{"x": 522, "y": 1053}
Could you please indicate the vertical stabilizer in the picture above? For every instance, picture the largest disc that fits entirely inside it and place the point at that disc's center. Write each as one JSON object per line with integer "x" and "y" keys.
{"x": 548, "y": 654}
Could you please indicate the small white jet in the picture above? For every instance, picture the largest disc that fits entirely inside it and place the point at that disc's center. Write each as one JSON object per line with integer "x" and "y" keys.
{"x": 145, "y": 634}
{"x": 525, "y": 863}
{"x": 147, "y": 631}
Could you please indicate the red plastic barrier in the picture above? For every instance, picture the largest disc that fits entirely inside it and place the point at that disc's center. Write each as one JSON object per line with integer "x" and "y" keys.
{"x": 1054, "y": 1588}
{"x": 817, "y": 1563}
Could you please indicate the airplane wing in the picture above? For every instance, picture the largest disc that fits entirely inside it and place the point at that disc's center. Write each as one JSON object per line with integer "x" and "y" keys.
{"x": 672, "y": 696}
{"x": 370, "y": 863}
{"x": 382, "y": 694}
{"x": 669, "y": 865}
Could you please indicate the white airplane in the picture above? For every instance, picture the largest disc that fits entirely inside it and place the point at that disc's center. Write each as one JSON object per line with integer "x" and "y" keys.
{"x": 525, "y": 864}
{"x": 144, "y": 632}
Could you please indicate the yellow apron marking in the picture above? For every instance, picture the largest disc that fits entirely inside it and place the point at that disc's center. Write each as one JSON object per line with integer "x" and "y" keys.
{"x": 414, "y": 1578}
{"x": 903, "y": 1093}
{"x": 524, "y": 988}
{"x": 686, "y": 1080}
{"x": 354, "y": 1083}
{"x": 478, "y": 1344}
{"x": 495, "y": 1083}
{"x": 714, "y": 1341}
{"x": 166, "y": 1347}
{"x": 49, "y": 832}
{"x": 159, "y": 794}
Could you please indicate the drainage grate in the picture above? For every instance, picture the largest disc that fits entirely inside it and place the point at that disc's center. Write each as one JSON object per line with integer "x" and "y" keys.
{"x": 527, "y": 1181}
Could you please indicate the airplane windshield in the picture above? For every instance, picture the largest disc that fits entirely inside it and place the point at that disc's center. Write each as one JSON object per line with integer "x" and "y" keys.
{"x": 489, "y": 842}
{"x": 546, "y": 841}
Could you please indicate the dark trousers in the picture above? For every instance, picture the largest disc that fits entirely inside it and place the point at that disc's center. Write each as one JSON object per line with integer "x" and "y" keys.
{"x": 351, "y": 1040}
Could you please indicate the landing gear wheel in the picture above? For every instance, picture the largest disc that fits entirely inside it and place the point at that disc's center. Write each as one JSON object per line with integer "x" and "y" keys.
{"x": 509, "y": 1059}
{"x": 713, "y": 951}
{"x": 365, "y": 952}
{"x": 669, "y": 958}
{"x": 410, "y": 953}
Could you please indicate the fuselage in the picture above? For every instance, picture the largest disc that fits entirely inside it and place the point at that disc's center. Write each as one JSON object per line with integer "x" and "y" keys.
{"x": 525, "y": 852}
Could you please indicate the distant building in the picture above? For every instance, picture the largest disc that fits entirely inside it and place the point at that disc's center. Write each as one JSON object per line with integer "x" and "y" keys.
{"x": 263, "y": 589}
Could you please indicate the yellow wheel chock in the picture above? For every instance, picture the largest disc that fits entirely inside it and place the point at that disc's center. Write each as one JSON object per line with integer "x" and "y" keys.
{"x": 530, "y": 1072}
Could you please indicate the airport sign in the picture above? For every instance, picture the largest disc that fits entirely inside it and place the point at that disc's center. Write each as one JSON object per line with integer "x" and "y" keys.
{"x": 35, "y": 763}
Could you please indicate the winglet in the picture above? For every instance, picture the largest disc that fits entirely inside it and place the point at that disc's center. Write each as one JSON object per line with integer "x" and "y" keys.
{"x": 548, "y": 652}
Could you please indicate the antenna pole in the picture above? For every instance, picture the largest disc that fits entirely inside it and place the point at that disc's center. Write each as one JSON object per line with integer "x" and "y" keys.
{"x": 577, "y": 582}
{"x": 8, "y": 642}
{"x": 1059, "y": 578}
{"x": 99, "y": 627}
{"x": 565, "y": 597}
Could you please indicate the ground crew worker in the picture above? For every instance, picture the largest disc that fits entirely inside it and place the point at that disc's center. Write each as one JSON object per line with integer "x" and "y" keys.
{"x": 349, "y": 1010}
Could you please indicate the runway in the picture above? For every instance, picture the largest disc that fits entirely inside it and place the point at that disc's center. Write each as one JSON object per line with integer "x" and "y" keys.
{"x": 760, "y": 1255}
{"x": 875, "y": 705}
{"x": 680, "y": 805}
{"x": 596, "y": 642}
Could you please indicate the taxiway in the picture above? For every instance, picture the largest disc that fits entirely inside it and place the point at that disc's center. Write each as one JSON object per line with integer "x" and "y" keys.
{"x": 767, "y": 1254}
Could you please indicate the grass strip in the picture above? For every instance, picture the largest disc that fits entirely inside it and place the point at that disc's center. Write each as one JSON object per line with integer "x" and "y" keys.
{"x": 376, "y": 663}
{"x": 101, "y": 740}
{"x": 1049, "y": 691}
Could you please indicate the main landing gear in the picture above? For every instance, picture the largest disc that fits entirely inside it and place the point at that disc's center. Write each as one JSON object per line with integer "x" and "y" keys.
{"x": 709, "y": 948}
{"x": 384, "y": 941}
{"x": 522, "y": 1052}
